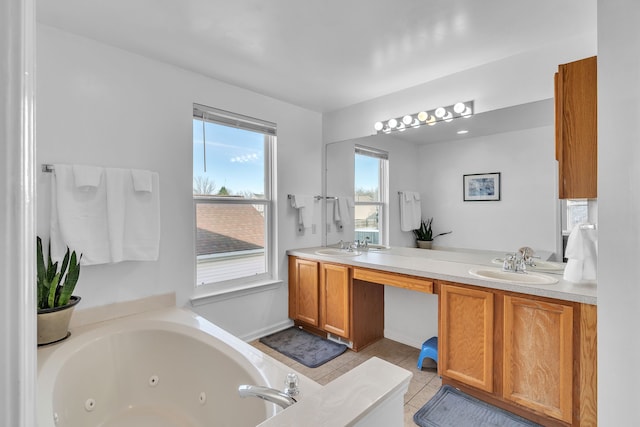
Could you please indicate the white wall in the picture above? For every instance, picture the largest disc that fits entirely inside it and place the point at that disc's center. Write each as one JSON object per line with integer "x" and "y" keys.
{"x": 618, "y": 212}
{"x": 527, "y": 213}
{"x": 104, "y": 106}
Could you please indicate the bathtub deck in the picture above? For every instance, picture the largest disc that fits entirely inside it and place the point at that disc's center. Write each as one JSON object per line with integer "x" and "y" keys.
{"x": 422, "y": 387}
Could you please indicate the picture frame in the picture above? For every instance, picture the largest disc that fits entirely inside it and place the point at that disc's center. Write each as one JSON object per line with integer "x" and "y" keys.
{"x": 481, "y": 187}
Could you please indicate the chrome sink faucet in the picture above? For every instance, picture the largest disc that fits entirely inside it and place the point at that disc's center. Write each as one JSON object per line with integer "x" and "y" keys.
{"x": 514, "y": 262}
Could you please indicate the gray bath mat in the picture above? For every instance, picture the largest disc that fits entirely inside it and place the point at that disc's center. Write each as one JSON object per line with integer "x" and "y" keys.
{"x": 308, "y": 349}
{"x": 452, "y": 408}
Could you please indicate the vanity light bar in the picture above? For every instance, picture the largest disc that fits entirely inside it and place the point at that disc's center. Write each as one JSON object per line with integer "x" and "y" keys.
{"x": 429, "y": 117}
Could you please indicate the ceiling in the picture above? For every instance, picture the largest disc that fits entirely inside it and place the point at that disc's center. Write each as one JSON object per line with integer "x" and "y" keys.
{"x": 329, "y": 54}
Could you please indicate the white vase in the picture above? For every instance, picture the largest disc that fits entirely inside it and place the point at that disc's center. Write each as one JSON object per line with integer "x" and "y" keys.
{"x": 53, "y": 323}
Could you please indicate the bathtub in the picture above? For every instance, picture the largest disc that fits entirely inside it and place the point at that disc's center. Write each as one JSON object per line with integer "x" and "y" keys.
{"x": 167, "y": 367}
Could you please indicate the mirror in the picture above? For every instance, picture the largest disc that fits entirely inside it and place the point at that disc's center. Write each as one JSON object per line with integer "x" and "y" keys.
{"x": 518, "y": 142}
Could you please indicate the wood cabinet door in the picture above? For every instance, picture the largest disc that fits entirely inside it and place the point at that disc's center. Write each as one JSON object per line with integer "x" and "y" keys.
{"x": 466, "y": 336}
{"x": 307, "y": 292}
{"x": 335, "y": 299}
{"x": 538, "y": 355}
{"x": 576, "y": 129}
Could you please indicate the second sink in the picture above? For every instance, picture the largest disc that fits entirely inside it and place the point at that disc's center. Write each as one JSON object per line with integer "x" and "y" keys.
{"x": 498, "y": 275}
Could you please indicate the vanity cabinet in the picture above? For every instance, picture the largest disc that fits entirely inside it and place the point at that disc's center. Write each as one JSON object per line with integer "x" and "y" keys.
{"x": 466, "y": 335}
{"x": 304, "y": 291}
{"x": 531, "y": 355}
{"x": 538, "y": 355}
{"x": 335, "y": 299}
{"x": 576, "y": 129}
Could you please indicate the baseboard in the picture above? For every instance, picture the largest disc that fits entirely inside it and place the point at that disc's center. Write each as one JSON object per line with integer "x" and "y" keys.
{"x": 272, "y": 329}
{"x": 404, "y": 339}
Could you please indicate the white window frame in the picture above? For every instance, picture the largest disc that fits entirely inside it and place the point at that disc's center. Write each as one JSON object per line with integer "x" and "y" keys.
{"x": 269, "y": 277}
{"x": 383, "y": 188}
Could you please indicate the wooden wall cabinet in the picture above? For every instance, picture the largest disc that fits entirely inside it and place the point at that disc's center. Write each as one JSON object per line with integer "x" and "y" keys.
{"x": 576, "y": 118}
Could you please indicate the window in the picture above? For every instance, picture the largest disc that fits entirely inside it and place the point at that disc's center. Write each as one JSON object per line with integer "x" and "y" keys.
{"x": 574, "y": 212}
{"x": 232, "y": 187}
{"x": 372, "y": 195}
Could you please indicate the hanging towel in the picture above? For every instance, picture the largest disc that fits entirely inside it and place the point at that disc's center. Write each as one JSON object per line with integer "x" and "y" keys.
{"x": 582, "y": 255}
{"x": 142, "y": 180}
{"x": 342, "y": 211}
{"x": 134, "y": 217}
{"x": 306, "y": 206}
{"x": 79, "y": 214}
{"x": 410, "y": 210}
{"x": 87, "y": 177}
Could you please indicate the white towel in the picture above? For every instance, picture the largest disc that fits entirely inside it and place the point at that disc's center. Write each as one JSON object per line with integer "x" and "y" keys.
{"x": 78, "y": 217}
{"x": 342, "y": 211}
{"x": 142, "y": 180}
{"x": 410, "y": 210}
{"x": 134, "y": 217}
{"x": 87, "y": 177}
{"x": 306, "y": 206}
{"x": 582, "y": 255}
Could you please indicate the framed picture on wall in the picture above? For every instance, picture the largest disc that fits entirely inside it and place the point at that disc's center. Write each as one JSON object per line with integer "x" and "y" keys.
{"x": 479, "y": 187}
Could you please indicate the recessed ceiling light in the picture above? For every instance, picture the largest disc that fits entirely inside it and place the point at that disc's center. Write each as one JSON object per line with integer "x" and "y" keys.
{"x": 462, "y": 132}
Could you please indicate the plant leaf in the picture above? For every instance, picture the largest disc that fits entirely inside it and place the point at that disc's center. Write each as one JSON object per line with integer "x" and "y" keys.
{"x": 71, "y": 280}
{"x": 51, "y": 300}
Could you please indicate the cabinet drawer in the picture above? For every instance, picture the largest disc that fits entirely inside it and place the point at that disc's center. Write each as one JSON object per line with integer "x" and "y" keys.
{"x": 393, "y": 279}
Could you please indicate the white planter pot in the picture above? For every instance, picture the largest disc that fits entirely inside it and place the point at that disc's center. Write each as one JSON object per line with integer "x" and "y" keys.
{"x": 53, "y": 323}
{"x": 424, "y": 244}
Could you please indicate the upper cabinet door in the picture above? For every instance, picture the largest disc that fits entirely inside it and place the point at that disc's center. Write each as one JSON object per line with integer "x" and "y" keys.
{"x": 577, "y": 129}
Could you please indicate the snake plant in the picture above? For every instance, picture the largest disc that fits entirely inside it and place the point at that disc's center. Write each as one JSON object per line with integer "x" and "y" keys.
{"x": 56, "y": 286}
{"x": 424, "y": 232}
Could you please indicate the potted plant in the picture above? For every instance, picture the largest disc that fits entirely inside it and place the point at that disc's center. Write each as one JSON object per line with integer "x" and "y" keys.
{"x": 55, "y": 299}
{"x": 424, "y": 234}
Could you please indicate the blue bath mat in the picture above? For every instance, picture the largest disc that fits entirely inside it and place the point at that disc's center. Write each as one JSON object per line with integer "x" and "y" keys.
{"x": 452, "y": 408}
{"x": 308, "y": 349}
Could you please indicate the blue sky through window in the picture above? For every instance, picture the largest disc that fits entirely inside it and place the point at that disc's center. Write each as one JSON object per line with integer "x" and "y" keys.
{"x": 367, "y": 172}
{"x": 234, "y": 158}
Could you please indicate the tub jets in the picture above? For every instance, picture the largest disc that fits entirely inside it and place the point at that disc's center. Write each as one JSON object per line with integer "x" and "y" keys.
{"x": 269, "y": 394}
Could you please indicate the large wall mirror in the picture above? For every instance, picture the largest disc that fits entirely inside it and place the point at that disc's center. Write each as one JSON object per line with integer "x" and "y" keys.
{"x": 518, "y": 142}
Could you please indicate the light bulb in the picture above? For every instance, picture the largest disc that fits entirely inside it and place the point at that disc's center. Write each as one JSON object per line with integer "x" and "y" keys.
{"x": 431, "y": 121}
{"x": 393, "y": 123}
{"x": 440, "y": 112}
{"x": 378, "y": 126}
{"x": 422, "y": 116}
{"x": 459, "y": 107}
{"x": 467, "y": 112}
{"x": 415, "y": 123}
{"x": 448, "y": 117}
{"x": 401, "y": 127}
{"x": 407, "y": 119}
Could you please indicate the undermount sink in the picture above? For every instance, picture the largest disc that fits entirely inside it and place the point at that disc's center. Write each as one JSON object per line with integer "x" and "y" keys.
{"x": 337, "y": 252}
{"x": 498, "y": 275}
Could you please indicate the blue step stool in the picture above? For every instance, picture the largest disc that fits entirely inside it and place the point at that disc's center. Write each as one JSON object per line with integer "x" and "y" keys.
{"x": 430, "y": 350}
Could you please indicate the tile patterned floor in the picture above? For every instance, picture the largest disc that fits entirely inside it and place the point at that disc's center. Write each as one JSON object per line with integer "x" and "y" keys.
{"x": 424, "y": 383}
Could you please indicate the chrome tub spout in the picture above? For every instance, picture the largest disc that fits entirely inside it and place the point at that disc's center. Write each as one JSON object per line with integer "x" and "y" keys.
{"x": 269, "y": 394}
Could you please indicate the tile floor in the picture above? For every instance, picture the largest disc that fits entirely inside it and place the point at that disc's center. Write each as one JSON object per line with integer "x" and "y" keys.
{"x": 424, "y": 383}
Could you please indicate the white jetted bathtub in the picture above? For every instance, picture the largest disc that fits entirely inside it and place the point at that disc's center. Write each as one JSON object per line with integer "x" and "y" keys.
{"x": 171, "y": 367}
{"x": 163, "y": 368}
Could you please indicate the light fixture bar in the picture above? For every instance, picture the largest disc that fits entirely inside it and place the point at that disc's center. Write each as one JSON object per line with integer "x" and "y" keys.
{"x": 429, "y": 117}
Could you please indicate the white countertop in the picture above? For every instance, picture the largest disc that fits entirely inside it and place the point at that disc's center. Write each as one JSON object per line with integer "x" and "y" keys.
{"x": 454, "y": 265}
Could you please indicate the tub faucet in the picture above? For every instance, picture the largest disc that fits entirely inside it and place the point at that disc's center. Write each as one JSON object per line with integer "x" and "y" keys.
{"x": 269, "y": 394}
